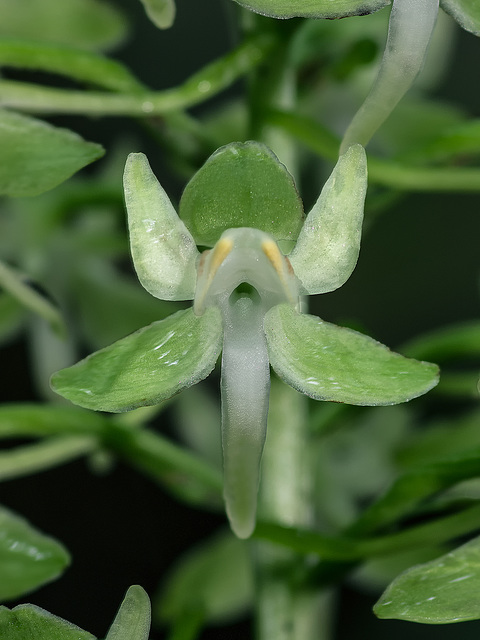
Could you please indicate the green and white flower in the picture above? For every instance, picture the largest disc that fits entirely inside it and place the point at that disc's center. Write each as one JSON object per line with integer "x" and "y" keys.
{"x": 246, "y": 288}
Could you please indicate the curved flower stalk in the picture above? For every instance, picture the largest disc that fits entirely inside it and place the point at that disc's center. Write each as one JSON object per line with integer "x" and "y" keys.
{"x": 245, "y": 293}
{"x": 409, "y": 32}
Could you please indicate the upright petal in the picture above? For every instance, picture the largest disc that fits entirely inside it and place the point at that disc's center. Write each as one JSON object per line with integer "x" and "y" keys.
{"x": 328, "y": 245}
{"x": 163, "y": 250}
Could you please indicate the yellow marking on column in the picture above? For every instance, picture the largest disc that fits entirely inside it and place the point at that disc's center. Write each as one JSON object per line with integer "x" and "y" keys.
{"x": 278, "y": 262}
{"x": 214, "y": 261}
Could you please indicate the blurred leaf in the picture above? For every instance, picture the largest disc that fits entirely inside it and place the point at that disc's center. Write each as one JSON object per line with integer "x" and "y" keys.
{"x": 32, "y": 458}
{"x": 12, "y": 314}
{"x": 241, "y": 185}
{"x": 29, "y": 296}
{"x": 36, "y": 420}
{"x": 333, "y": 363}
{"x": 28, "y": 622}
{"x": 313, "y": 8}
{"x": 447, "y": 343}
{"x": 132, "y": 621}
{"x": 327, "y": 248}
{"x": 438, "y": 592}
{"x": 147, "y": 366}
{"x": 87, "y": 24}
{"x": 110, "y": 305}
{"x": 28, "y": 559}
{"x": 37, "y": 156}
{"x": 215, "y": 577}
{"x": 160, "y": 12}
{"x": 465, "y": 12}
{"x": 78, "y": 64}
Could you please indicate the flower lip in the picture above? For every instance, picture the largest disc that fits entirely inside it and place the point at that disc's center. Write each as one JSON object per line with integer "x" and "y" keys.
{"x": 244, "y": 255}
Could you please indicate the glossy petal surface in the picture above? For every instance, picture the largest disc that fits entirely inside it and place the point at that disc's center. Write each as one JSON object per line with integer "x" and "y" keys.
{"x": 328, "y": 245}
{"x": 242, "y": 185}
{"x": 28, "y": 558}
{"x": 327, "y": 362}
{"x": 147, "y": 366}
{"x": 164, "y": 253}
{"x": 313, "y": 8}
{"x": 442, "y": 591}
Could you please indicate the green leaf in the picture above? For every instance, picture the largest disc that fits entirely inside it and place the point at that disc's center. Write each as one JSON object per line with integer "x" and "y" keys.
{"x": 147, "y": 366}
{"x": 160, "y": 12}
{"x": 87, "y": 24}
{"x": 437, "y": 592}
{"x": 453, "y": 341}
{"x": 242, "y": 185}
{"x": 215, "y": 577}
{"x": 313, "y": 8}
{"x": 37, "y": 156}
{"x": 12, "y": 314}
{"x": 465, "y": 12}
{"x": 78, "y": 64}
{"x": 28, "y": 622}
{"x": 163, "y": 251}
{"x": 28, "y": 558}
{"x": 132, "y": 621}
{"x": 328, "y": 245}
{"x": 327, "y": 362}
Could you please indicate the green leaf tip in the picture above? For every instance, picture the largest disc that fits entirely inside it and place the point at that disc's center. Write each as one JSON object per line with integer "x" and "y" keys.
{"x": 147, "y": 366}
{"x": 241, "y": 185}
{"x": 438, "y": 592}
{"x": 36, "y": 156}
{"x": 29, "y": 622}
{"x": 160, "y": 12}
{"x": 327, "y": 362}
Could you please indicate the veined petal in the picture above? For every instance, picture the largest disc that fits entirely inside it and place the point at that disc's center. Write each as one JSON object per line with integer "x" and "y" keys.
{"x": 147, "y": 366}
{"x": 327, "y": 362}
{"x": 328, "y": 245}
{"x": 245, "y": 391}
{"x": 163, "y": 250}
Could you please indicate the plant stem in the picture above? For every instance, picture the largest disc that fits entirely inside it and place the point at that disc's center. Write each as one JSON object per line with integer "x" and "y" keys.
{"x": 285, "y": 611}
{"x": 204, "y": 84}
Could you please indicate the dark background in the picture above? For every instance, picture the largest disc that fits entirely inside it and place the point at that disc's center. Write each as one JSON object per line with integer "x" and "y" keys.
{"x": 418, "y": 269}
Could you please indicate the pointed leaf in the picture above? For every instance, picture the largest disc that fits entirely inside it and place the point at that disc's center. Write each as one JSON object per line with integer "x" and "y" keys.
{"x": 313, "y": 8}
{"x": 86, "y": 24}
{"x": 327, "y": 362}
{"x": 132, "y": 621}
{"x": 437, "y": 592}
{"x": 28, "y": 558}
{"x": 328, "y": 245}
{"x": 28, "y": 622}
{"x": 242, "y": 185}
{"x": 147, "y": 366}
{"x": 164, "y": 252}
{"x": 465, "y": 12}
{"x": 37, "y": 156}
{"x": 160, "y": 12}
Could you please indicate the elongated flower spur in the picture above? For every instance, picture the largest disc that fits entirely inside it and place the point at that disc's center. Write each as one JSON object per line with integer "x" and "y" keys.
{"x": 246, "y": 304}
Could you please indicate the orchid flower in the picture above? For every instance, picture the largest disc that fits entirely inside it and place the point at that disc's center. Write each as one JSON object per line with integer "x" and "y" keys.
{"x": 246, "y": 294}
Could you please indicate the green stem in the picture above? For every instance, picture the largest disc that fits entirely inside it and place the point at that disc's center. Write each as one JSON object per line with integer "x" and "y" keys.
{"x": 345, "y": 550}
{"x": 185, "y": 473}
{"x": 381, "y": 171}
{"x": 202, "y": 85}
{"x": 285, "y": 611}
